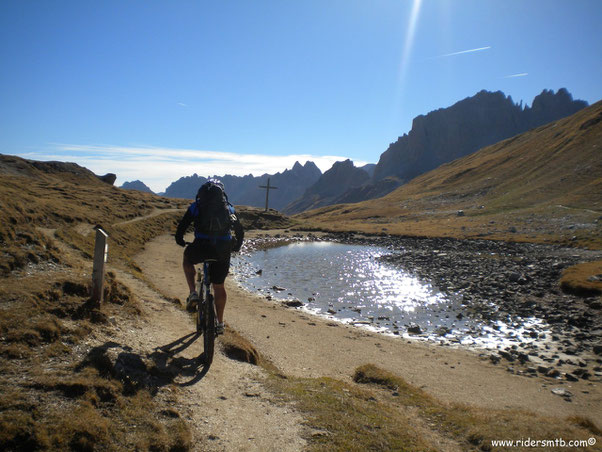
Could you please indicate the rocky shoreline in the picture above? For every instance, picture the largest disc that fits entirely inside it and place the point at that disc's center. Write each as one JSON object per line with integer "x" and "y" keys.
{"x": 499, "y": 283}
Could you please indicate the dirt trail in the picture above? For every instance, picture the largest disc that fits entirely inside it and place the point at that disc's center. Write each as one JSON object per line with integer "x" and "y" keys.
{"x": 154, "y": 213}
{"x": 305, "y": 345}
{"x": 227, "y": 407}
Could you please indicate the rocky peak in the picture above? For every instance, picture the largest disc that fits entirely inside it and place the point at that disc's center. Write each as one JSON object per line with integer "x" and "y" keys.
{"x": 470, "y": 124}
{"x": 342, "y": 176}
{"x": 549, "y": 106}
{"x": 136, "y": 185}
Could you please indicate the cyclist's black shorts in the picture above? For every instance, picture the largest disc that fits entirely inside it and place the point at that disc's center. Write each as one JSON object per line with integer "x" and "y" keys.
{"x": 202, "y": 249}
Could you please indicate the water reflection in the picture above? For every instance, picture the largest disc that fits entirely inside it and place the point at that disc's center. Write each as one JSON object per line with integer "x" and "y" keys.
{"x": 342, "y": 280}
{"x": 348, "y": 283}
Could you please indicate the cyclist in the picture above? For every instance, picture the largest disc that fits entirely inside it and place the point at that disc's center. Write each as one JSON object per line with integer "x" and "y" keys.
{"x": 214, "y": 218}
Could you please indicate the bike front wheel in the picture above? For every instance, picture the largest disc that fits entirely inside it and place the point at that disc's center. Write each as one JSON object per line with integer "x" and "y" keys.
{"x": 199, "y": 316}
{"x": 209, "y": 329}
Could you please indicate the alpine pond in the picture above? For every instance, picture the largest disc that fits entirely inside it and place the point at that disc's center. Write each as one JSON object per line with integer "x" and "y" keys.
{"x": 353, "y": 284}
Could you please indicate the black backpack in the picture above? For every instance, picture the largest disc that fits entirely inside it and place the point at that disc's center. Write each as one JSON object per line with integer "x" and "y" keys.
{"x": 213, "y": 217}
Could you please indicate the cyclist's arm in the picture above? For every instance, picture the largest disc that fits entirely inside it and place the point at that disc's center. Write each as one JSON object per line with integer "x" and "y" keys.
{"x": 182, "y": 226}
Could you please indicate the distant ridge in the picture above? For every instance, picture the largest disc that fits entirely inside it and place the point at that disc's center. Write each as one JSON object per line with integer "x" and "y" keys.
{"x": 332, "y": 184}
{"x": 136, "y": 185}
{"x": 12, "y": 165}
{"x": 244, "y": 190}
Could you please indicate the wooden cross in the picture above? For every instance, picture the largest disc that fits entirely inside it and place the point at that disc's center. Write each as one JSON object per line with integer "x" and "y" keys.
{"x": 267, "y": 187}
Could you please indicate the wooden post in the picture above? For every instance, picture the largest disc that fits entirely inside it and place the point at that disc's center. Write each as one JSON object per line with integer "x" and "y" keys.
{"x": 101, "y": 249}
{"x": 267, "y": 192}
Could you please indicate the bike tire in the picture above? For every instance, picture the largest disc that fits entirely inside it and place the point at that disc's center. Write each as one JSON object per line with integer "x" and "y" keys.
{"x": 209, "y": 329}
{"x": 199, "y": 309}
{"x": 199, "y": 317}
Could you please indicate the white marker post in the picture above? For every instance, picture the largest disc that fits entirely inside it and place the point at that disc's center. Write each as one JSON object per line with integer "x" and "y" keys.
{"x": 101, "y": 249}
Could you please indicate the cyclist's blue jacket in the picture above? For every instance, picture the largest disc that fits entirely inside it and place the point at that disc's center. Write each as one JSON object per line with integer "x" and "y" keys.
{"x": 193, "y": 212}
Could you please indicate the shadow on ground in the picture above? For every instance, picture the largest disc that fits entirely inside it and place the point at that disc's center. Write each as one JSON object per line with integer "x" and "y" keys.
{"x": 139, "y": 371}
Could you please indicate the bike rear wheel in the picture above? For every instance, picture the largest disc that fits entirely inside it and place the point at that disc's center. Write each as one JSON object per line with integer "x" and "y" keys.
{"x": 209, "y": 329}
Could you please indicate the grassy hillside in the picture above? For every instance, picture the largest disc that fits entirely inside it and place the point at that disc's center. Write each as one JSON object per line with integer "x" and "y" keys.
{"x": 543, "y": 186}
{"x": 51, "y": 398}
{"x": 55, "y": 396}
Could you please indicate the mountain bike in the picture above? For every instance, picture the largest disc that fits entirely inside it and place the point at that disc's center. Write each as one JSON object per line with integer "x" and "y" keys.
{"x": 206, "y": 315}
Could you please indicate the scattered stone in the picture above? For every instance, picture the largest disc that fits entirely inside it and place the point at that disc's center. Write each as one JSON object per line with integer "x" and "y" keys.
{"x": 442, "y": 331}
{"x": 562, "y": 393}
{"x": 582, "y": 373}
{"x": 514, "y": 277}
{"x": 523, "y": 357}
{"x": 414, "y": 329}
{"x": 570, "y": 377}
{"x": 292, "y": 303}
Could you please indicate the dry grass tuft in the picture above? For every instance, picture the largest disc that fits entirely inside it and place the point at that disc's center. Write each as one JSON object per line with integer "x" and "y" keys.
{"x": 239, "y": 348}
{"x": 583, "y": 279}
{"x": 585, "y": 423}
{"x": 369, "y": 373}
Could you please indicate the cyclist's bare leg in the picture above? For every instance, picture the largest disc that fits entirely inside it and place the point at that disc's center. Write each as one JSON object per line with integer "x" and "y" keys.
{"x": 190, "y": 273}
{"x": 219, "y": 291}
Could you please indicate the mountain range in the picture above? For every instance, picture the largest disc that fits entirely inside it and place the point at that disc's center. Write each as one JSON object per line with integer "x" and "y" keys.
{"x": 544, "y": 184}
{"x": 439, "y": 137}
{"x": 436, "y": 138}
{"x": 244, "y": 190}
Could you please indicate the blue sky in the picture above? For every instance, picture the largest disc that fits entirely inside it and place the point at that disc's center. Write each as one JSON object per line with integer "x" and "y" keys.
{"x": 156, "y": 90}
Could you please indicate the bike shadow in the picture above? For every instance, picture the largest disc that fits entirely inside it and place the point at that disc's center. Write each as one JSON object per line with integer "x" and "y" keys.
{"x": 165, "y": 359}
{"x": 147, "y": 371}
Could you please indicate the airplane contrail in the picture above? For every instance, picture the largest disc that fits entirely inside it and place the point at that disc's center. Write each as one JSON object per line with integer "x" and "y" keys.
{"x": 464, "y": 51}
{"x": 522, "y": 74}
